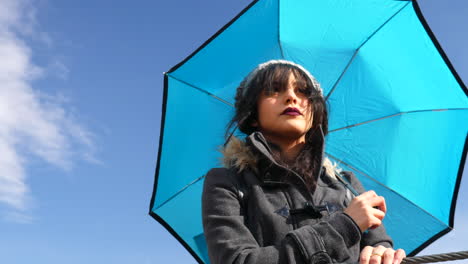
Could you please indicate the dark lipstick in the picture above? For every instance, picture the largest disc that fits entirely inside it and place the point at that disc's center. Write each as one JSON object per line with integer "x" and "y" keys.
{"x": 291, "y": 111}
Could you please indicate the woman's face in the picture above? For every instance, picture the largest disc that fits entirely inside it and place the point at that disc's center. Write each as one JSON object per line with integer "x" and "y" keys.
{"x": 285, "y": 112}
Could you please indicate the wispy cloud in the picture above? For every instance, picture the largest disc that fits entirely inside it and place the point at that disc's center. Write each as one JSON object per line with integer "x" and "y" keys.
{"x": 32, "y": 123}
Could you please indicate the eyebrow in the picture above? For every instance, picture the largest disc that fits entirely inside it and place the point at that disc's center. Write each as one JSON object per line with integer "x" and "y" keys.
{"x": 300, "y": 83}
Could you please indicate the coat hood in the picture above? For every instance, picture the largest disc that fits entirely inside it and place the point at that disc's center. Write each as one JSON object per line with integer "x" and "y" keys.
{"x": 239, "y": 154}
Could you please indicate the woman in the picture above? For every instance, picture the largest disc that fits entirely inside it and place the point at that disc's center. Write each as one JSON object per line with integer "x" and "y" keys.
{"x": 277, "y": 200}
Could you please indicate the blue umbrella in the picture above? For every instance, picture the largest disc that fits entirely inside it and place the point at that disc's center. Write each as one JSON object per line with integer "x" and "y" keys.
{"x": 398, "y": 110}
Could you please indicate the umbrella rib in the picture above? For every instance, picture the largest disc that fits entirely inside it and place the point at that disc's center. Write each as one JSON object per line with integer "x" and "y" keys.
{"x": 279, "y": 30}
{"x": 201, "y": 90}
{"x": 385, "y": 186}
{"x": 397, "y": 114}
{"x": 342, "y": 74}
{"x": 358, "y": 49}
{"x": 180, "y": 191}
{"x": 383, "y": 24}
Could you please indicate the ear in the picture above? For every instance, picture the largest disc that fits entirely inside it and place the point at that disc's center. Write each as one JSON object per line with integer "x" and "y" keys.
{"x": 254, "y": 123}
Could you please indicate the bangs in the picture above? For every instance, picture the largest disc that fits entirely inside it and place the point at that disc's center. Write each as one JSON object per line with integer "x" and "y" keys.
{"x": 276, "y": 79}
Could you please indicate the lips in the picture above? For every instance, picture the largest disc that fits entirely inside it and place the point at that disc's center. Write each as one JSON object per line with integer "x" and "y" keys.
{"x": 292, "y": 111}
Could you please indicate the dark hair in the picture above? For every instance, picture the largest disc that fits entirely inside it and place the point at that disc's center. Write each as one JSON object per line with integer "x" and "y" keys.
{"x": 308, "y": 162}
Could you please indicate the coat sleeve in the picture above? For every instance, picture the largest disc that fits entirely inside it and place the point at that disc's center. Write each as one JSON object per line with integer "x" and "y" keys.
{"x": 372, "y": 237}
{"x": 230, "y": 241}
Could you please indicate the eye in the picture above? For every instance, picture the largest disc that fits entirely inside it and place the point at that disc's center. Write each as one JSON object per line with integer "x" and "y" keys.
{"x": 303, "y": 90}
{"x": 273, "y": 90}
{"x": 276, "y": 88}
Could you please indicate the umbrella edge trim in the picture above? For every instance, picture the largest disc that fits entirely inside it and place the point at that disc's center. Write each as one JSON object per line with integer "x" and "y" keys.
{"x": 461, "y": 169}
{"x": 436, "y": 43}
{"x": 430, "y": 241}
{"x": 453, "y": 206}
{"x": 161, "y": 136}
{"x": 156, "y": 176}
{"x": 176, "y": 236}
{"x": 213, "y": 37}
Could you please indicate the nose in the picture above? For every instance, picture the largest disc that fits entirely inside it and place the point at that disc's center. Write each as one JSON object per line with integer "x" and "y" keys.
{"x": 290, "y": 96}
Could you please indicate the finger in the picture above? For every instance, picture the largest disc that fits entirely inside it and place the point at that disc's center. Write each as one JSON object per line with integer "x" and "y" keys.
{"x": 377, "y": 255}
{"x": 365, "y": 196}
{"x": 399, "y": 256}
{"x": 388, "y": 256}
{"x": 375, "y": 218}
{"x": 378, "y": 201}
{"x": 380, "y": 248}
{"x": 383, "y": 206}
{"x": 374, "y": 222}
{"x": 377, "y": 213}
{"x": 365, "y": 255}
{"x": 368, "y": 194}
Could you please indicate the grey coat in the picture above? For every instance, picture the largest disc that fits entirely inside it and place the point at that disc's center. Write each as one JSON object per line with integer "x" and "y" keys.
{"x": 256, "y": 211}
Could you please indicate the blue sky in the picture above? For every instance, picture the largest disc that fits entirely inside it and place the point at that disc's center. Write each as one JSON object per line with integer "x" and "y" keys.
{"x": 80, "y": 107}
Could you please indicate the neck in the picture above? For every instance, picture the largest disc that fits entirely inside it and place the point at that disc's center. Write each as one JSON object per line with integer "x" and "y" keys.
{"x": 290, "y": 148}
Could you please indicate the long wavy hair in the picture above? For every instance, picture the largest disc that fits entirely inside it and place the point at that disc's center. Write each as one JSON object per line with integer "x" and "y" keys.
{"x": 308, "y": 162}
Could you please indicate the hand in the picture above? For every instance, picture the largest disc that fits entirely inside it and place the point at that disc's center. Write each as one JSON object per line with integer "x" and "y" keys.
{"x": 367, "y": 210}
{"x": 381, "y": 254}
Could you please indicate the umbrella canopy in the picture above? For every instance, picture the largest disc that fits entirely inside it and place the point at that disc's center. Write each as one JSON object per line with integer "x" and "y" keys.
{"x": 398, "y": 110}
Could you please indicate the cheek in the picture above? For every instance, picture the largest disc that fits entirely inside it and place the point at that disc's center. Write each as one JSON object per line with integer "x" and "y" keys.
{"x": 260, "y": 110}
{"x": 262, "y": 113}
{"x": 266, "y": 108}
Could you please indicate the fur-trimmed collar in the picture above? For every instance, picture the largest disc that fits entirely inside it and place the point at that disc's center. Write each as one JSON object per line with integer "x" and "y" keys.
{"x": 237, "y": 154}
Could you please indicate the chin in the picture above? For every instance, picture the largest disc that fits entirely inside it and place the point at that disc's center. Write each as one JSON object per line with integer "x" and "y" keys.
{"x": 293, "y": 132}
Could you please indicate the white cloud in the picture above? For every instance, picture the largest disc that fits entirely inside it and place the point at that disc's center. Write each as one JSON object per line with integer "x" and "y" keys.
{"x": 31, "y": 123}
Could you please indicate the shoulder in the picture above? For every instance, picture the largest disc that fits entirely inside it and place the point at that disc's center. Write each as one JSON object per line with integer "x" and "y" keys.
{"x": 221, "y": 178}
{"x": 217, "y": 172}
{"x": 223, "y": 174}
